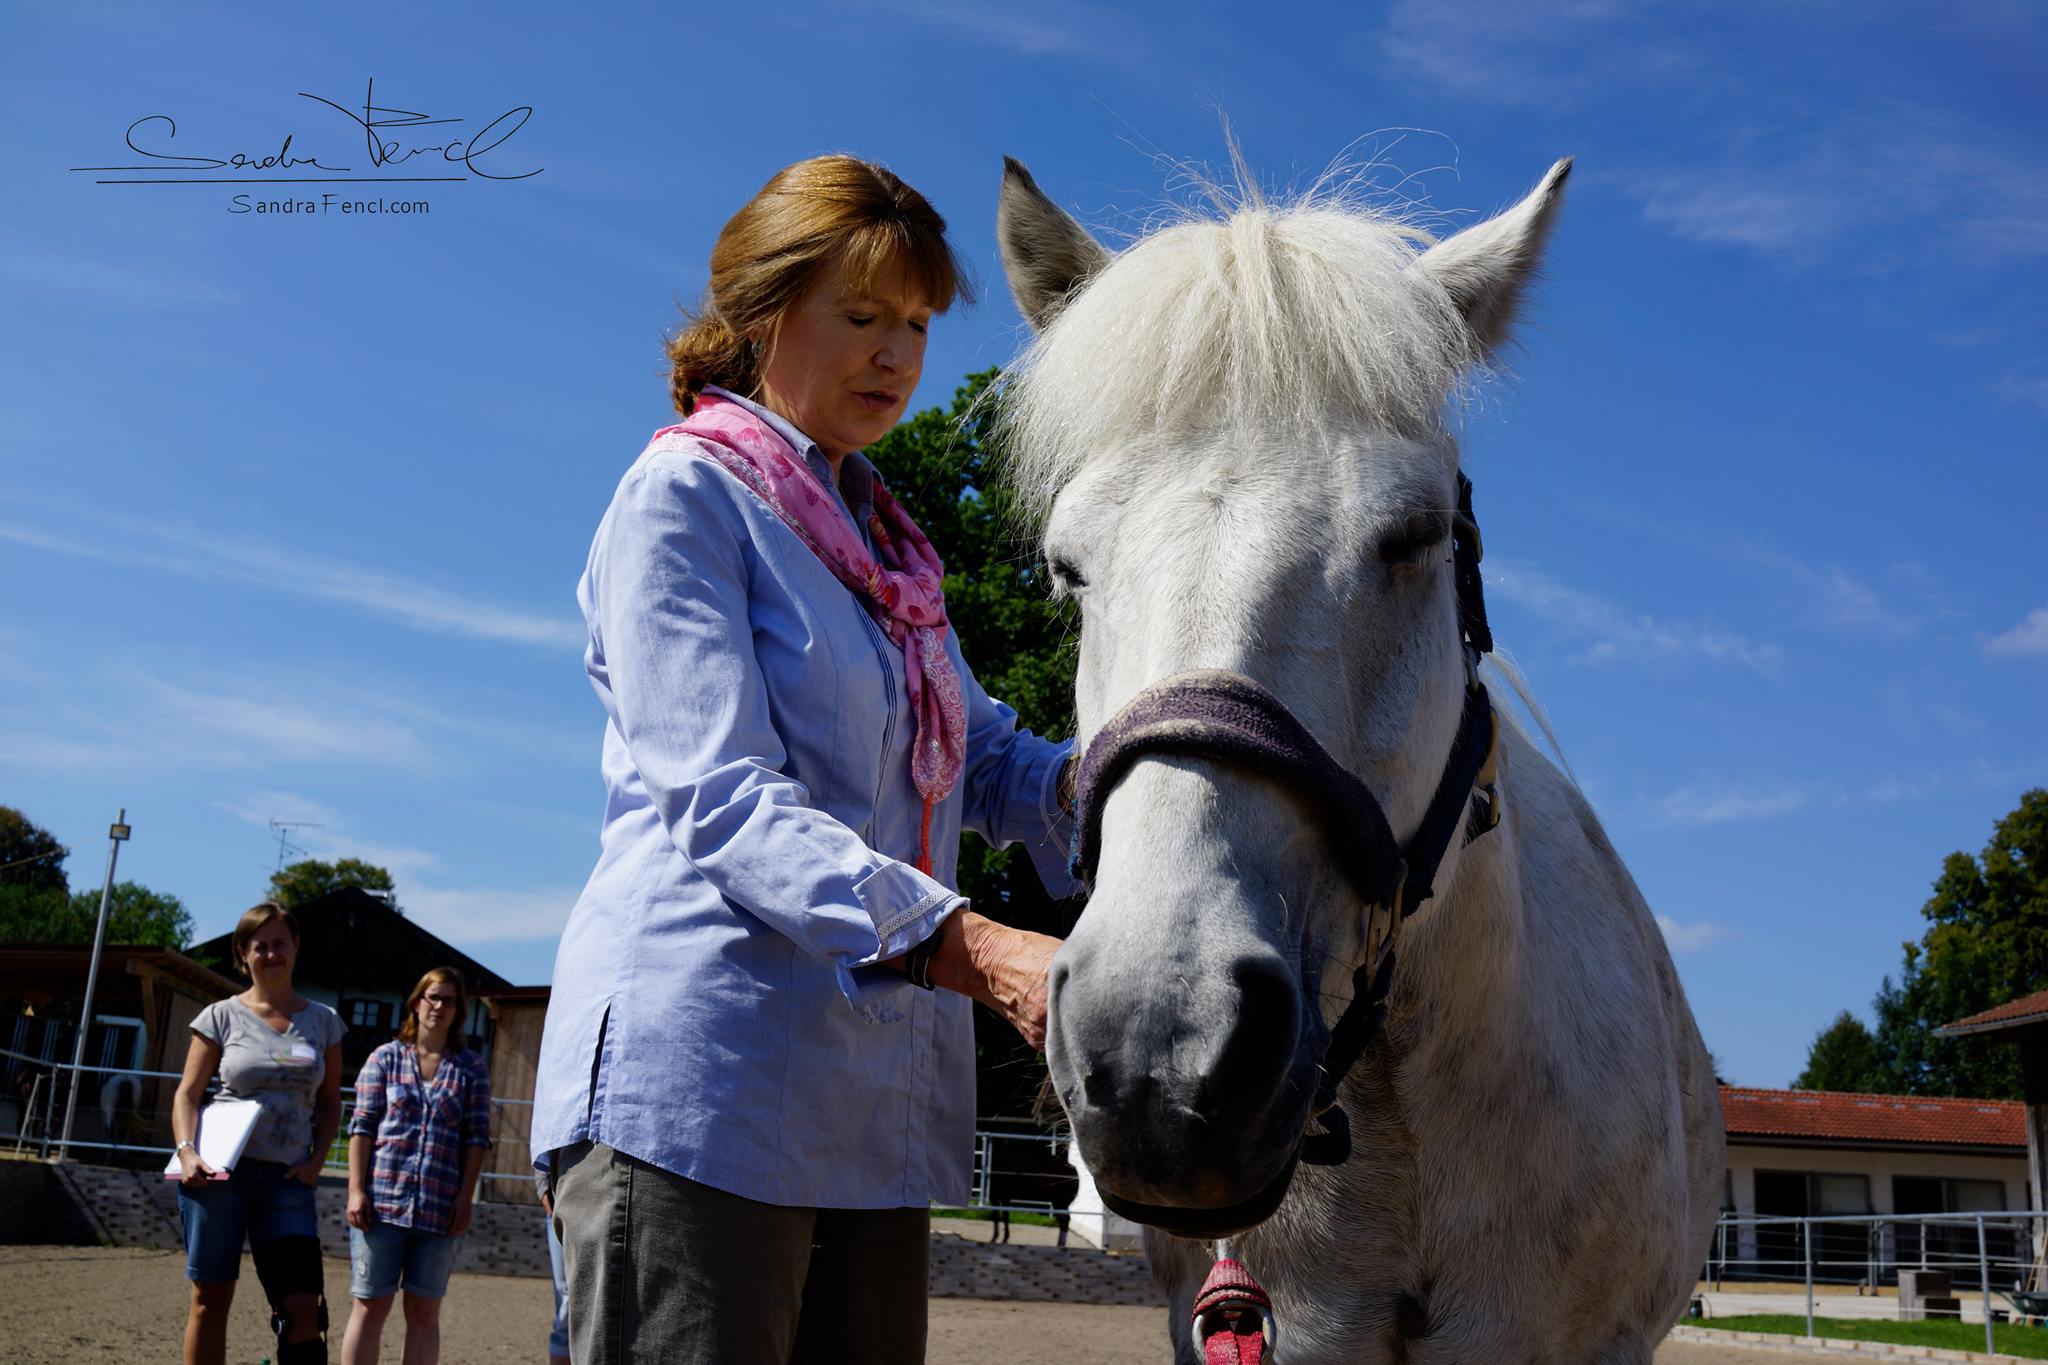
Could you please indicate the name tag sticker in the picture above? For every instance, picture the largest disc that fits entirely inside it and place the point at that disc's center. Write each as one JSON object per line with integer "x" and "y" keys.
{"x": 298, "y": 1054}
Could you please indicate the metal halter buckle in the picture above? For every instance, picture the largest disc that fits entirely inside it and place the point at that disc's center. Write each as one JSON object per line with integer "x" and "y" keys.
{"x": 1486, "y": 787}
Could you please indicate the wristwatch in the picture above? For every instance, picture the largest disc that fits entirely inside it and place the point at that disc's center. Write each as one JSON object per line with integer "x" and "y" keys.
{"x": 917, "y": 963}
{"x": 183, "y": 1143}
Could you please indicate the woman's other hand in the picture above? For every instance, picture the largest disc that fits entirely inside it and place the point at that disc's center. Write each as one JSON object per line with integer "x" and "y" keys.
{"x": 358, "y": 1208}
{"x": 306, "y": 1172}
{"x": 458, "y": 1217}
{"x": 194, "y": 1172}
{"x": 1004, "y": 968}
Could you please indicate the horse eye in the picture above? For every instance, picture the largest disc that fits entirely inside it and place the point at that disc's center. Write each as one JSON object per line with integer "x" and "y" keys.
{"x": 1414, "y": 538}
{"x": 1066, "y": 578}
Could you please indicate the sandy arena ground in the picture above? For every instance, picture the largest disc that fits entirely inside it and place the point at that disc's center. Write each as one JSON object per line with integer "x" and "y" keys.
{"x": 63, "y": 1305}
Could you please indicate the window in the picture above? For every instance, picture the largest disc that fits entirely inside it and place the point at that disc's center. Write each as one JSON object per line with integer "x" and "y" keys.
{"x": 1952, "y": 1246}
{"x": 366, "y": 1014}
{"x": 1839, "y": 1249}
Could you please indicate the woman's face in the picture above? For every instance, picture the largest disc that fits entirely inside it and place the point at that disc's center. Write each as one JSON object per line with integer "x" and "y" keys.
{"x": 271, "y": 949}
{"x": 843, "y": 364}
{"x": 436, "y": 1009}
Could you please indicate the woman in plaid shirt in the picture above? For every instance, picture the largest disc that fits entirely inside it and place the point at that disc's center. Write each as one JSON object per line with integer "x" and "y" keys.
{"x": 422, "y": 1125}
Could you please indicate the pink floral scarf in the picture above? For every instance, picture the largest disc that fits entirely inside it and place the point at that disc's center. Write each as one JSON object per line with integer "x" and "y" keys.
{"x": 900, "y": 584}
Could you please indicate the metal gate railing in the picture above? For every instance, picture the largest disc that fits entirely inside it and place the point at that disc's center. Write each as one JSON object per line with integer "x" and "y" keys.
{"x": 1979, "y": 1251}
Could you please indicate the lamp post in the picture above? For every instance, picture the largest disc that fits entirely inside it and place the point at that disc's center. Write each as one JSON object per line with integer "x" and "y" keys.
{"x": 116, "y": 835}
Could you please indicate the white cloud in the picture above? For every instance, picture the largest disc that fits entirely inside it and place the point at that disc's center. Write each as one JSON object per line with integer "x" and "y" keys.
{"x": 1704, "y": 208}
{"x": 2028, "y": 638}
{"x": 1701, "y": 804}
{"x": 471, "y": 915}
{"x": 463, "y": 915}
{"x": 1511, "y": 51}
{"x": 1840, "y": 598}
{"x": 2031, "y": 390}
{"x": 118, "y": 283}
{"x": 1035, "y": 32}
{"x": 223, "y": 558}
{"x": 281, "y": 728}
{"x": 1614, "y": 631}
{"x": 1720, "y": 805}
{"x": 1690, "y": 938}
{"x": 1879, "y": 184}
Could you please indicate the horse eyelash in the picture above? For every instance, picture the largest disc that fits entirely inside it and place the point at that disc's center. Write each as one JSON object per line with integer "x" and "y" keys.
{"x": 1066, "y": 579}
{"x": 1415, "y": 538}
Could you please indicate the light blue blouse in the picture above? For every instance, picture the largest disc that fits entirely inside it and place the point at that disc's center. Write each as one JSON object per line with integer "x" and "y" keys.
{"x": 716, "y": 1008}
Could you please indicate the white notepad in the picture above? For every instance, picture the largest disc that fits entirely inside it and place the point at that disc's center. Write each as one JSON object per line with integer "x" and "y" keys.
{"x": 224, "y": 1129}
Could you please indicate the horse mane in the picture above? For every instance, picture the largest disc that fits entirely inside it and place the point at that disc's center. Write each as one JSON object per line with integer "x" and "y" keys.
{"x": 1305, "y": 318}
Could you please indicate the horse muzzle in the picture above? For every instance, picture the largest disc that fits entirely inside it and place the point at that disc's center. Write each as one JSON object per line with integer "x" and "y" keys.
{"x": 1189, "y": 1105}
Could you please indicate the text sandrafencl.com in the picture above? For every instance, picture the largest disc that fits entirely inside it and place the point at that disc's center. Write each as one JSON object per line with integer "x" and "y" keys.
{"x": 325, "y": 205}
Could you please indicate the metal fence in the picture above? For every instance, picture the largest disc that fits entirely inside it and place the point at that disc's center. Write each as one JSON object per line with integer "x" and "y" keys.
{"x": 1982, "y": 1253}
{"x": 124, "y": 1115}
{"x": 128, "y": 1111}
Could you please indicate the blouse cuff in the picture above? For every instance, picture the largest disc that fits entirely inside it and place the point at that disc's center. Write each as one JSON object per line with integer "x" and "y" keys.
{"x": 907, "y": 907}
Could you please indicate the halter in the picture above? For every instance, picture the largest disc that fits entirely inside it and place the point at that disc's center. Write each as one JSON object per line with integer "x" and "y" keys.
{"x": 1227, "y": 717}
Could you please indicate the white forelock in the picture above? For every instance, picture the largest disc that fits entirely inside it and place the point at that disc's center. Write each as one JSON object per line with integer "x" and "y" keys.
{"x": 1310, "y": 318}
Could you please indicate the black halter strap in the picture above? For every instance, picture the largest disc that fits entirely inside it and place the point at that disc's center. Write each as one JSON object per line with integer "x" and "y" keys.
{"x": 1227, "y": 717}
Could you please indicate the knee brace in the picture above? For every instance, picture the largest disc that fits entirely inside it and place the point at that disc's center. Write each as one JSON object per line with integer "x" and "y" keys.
{"x": 312, "y": 1352}
{"x": 289, "y": 1267}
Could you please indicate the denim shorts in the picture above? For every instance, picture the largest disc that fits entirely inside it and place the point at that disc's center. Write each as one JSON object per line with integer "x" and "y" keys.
{"x": 256, "y": 1203}
{"x": 388, "y": 1257}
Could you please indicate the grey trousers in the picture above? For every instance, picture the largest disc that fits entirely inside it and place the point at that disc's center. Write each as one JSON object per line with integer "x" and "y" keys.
{"x": 664, "y": 1269}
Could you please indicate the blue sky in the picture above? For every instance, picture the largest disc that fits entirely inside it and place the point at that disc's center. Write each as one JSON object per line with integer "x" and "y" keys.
{"x": 292, "y": 507}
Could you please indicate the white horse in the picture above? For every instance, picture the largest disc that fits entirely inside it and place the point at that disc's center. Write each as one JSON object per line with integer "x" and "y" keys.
{"x": 1237, "y": 434}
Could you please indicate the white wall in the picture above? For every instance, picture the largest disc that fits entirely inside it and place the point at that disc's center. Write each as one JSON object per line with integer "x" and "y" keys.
{"x": 1091, "y": 1222}
{"x": 1745, "y": 1160}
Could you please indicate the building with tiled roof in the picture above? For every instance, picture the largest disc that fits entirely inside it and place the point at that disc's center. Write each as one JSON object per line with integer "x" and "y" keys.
{"x": 1820, "y": 1118}
{"x": 2020, "y": 1013}
{"x": 1810, "y": 1153}
{"x": 2022, "y": 1023}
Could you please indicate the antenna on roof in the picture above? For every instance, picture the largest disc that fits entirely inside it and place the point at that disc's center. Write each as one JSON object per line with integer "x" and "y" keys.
{"x": 284, "y": 828}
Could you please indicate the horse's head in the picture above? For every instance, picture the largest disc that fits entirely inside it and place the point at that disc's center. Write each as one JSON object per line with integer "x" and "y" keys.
{"x": 1237, "y": 433}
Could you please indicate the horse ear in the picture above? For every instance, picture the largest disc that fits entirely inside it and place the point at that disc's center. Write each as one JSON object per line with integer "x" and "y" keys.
{"x": 1047, "y": 256}
{"x": 1487, "y": 268}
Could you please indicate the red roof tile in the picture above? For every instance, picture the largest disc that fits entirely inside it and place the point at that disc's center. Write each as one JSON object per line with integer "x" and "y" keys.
{"x": 1753, "y": 1114}
{"x": 2026, "y": 1008}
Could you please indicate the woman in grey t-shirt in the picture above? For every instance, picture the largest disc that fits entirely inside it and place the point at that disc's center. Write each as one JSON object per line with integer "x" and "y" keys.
{"x": 273, "y": 1046}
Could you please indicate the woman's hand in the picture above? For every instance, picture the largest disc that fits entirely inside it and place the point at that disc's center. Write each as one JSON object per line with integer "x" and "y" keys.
{"x": 194, "y": 1172}
{"x": 306, "y": 1172}
{"x": 458, "y": 1217}
{"x": 358, "y": 1208}
{"x": 1003, "y": 968}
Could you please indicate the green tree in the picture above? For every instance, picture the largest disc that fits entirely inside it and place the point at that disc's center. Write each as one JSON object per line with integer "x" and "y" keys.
{"x": 311, "y": 879}
{"x": 941, "y": 465}
{"x": 1844, "y": 1057}
{"x": 1986, "y": 942}
{"x": 30, "y": 856}
{"x": 135, "y": 914}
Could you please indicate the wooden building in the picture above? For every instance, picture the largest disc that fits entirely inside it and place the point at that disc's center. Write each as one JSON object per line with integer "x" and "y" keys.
{"x": 2023, "y": 1021}
{"x": 517, "y": 1013}
{"x": 143, "y": 1007}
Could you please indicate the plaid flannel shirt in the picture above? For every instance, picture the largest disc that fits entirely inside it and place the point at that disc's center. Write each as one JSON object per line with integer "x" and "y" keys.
{"x": 421, "y": 1132}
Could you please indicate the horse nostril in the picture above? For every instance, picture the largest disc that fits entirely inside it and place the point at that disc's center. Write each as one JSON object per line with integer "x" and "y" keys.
{"x": 1099, "y": 1086}
{"x": 1259, "y": 1049}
